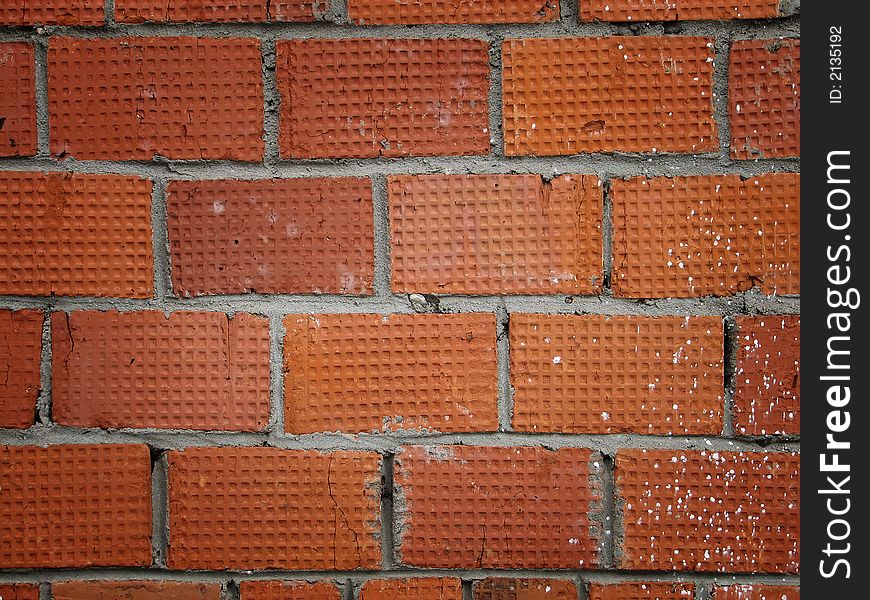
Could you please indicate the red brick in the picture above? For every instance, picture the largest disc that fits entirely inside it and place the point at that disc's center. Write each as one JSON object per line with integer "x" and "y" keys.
{"x": 764, "y": 103}
{"x": 75, "y": 234}
{"x": 52, "y": 12}
{"x": 20, "y": 348}
{"x": 625, "y": 94}
{"x": 679, "y": 10}
{"x": 220, "y": 11}
{"x": 706, "y": 236}
{"x": 363, "y": 98}
{"x": 735, "y": 512}
{"x": 17, "y": 99}
{"x": 767, "y": 391}
{"x": 757, "y": 592}
{"x": 19, "y": 591}
{"x": 524, "y": 589}
{"x": 641, "y": 590}
{"x": 137, "y": 98}
{"x": 75, "y": 506}
{"x": 288, "y": 590}
{"x": 135, "y": 590}
{"x": 260, "y": 508}
{"x": 271, "y": 236}
{"x": 387, "y": 12}
{"x": 356, "y": 373}
{"x": 496, "y": 508}
{"x": 597, "y": 374}
{"x": 144, "y": 369}
{"x": 424, "y": 588}
{"x": 496, "y": 234}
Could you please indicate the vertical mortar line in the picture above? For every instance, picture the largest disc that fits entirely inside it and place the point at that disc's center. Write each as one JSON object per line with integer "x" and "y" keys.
{"x": 467, "y": 589}
{"x": 606, "y": 235}
{"x": 335, "y": 11}
{"x": 609, "y": 552}
{"x": 732, "y": 344}
{"x": 496, "y": 131}
{"x": 230, "y": 590}
{"x": 109, "y": 10}
{"x": 387, "y": 537}
{"x": 381, "y": 215}
{"x": 271, "y": 102}
{"x": 351, "y": 590}
{"x": 722, "y": 48}
{"x": 276, "y": 375}
{"x": 43, "y": 401}
{"x": 503, "y": 365}
{"x": 582, "y": 592}
{"x": 159, "y": 507}
{"x": 40, "y": 57}
{"x": 45, "y": 592}
{"x": 703, "y": 591}
{"x": 160, "y": 240}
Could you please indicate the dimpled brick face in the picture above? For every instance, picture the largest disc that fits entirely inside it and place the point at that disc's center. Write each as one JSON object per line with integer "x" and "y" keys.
{"x": 642, "y": 590}
{"x": 134, "y": 590}
{"x": 706, "y": 236}
{"x": 288, "y": 590}
{"x": 219, "y": 11}
{"x": 271, "y": 236}
{"x": 20, "y": 347}
{"x": 757, "y": 592}
{"x": 19, "y": 591}
{"x": 735, "y": 512}
{"x": 524, "y": 589}
{"x": 17, "y": 100}
{"x": 359, "y": 373}
{"x": 564, "y": 96}
{"x": 496, "y": 234}
{"x": 452, "y": 11}
{"x": 424, "y": 588}
{"x": 370, "y": 98}
{"x": 52, "y": 12}
{"x": 264, "y": 508}
{"x": 676, "y": 10}
{"x": 138, "y": 98}
{"x": 483, "y": 507}
{"x": 595, "y": 374}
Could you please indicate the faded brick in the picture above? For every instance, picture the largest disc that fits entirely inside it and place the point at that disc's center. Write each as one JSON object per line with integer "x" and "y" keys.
{"x": 52, "y": 12}
{"x": 17, "y": 99}
{"x": 757, "y": 592}
{"x": 497, "y": 588}
{"x": 20, "y": 348}
{"x": 135, "y": 590}
{"x": 642, "y": 590}
{"x": 388, "y": 12}
{"x": 422, "y": 588}
{"x": 677, "y": 10}
{"x": 288, "y": 590}
{"x": 216, "y": 11}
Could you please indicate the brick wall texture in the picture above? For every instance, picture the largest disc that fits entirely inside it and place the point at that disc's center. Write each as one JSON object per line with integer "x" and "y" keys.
{"x": 399, "y": 300}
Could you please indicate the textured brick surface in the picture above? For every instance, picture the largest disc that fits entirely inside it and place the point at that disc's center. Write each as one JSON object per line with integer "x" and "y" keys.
{"x": 259, "y": 508}
{"x": 222, "y": 11}
{"x": 596, "y": 374}
{"x": 767, "y": 391}
{"x": 710, "y": 511}
{"x": 642, "y": 590}
{"x": 424, "y": 588}
{"x": 271, "y": 236}
{"x": 493, "y": 507}
{"x": 52, "y": 12}
{"x": 756, "y": 592}
{"x": 288, "y": 590}
{"x": 764, "y": 98}
{"x": 452, "y": 11}
{"x": 137, "y": 98}
{"x": 17, "y": 100}
{"x": 135, "y": 590}
{"x": 524, "y": 589}
{"x": 628, "y": 94}
{"x": 369, "y": 97}
{"x": 363, "y": 372}
{"x": 496, "y": 234}
{"x": 701, "y": 236}
{"x": 143, "y": 369}
{"x": 20, "y": 347}
{"x": 19, "y": 591}
{"x": 75, "y": 234}
{"x": 676, "y": 10}
{"x": 75, "y": 506}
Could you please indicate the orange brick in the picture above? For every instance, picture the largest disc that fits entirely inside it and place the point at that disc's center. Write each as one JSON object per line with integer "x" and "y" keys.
{"x": 20, "y": 348}
{"x": 221, "y": 11}
{"x": 700, "y": 236}
{"x": 75, "y": 506}
{"x": 642, "y": 590}
{"x": 52, "y": 12}
{"x": 19, "y": 591}
{"x": 424, "y": 588}
{"x": 679, "y": 10}
{"x": 288, "y": 590}
{"x": 271, "y": 236}
{"x": 597, "y": 374}
{"x": 75, "y": 234}
{"x": 625, "y": 94}
{"x": 496, "y": 508}
{"x": 144, "y": 369}
{"x": 138, "y": 98}
{"x": 386, "y": 12}
{"x": 135, "y": 590}
{"x": 524, "y": 589}
{"x": 757, "y": 592}
{"x": 363, "y": 98}
{"x": 729, "y": 512}
{"x": 764, "y": 98}
{"x": 17, "y": 99}
{"x": 261, "y": 508}
{"x": 361, "y": 372}
{"x": 496, "y": 234}
{"x": 767, "y": 391}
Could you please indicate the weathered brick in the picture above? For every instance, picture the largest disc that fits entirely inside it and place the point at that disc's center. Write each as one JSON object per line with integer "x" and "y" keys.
{"x": 363, "y": 98}
{"x": 764, "y": 98}
{"x": 135, "y": 590}
{"x": 642, "y": 590}
{"x": 271, "y": 236}
{"x": 143, "y": 369}
{"x": 75, "y": 506}
{"x": 19, "y": 591}
{"x": 17, "y": 99}
{"x": 597, "y": 374}
{"x": 137, "y": 98}
{"x": 497, "y": 588}
{"x": 767, "y": 391}
{"x": 288, "y": 590}
{"x": 730, "y": 512}
{"x": 387, "y": 12}
{"x": 710, "y": 235}
{"x": 20, "y": 348}
{"x": 75, "y": 234}
{"x": 260, "y": 508}
{"x": 496, "y": 508}
{"x": 52, "y": 12}
{"x": 216, "y": 11}
{"x": 496, "y": 234}
{"x": 677, "y": 10}
{"x": 424, "y": 588}
{"x": 626, "y": 94}
{"x": 362, "y": 372}
{"x": 756, "y": 592}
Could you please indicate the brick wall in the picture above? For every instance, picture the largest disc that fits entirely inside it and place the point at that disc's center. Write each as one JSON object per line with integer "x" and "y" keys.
{"x": 394, "y": 299}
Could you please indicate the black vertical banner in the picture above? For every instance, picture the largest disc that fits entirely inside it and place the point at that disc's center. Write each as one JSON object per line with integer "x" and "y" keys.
{"x": 835, "y": 257}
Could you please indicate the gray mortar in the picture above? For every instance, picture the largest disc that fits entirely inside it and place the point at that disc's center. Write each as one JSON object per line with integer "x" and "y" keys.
{"x": 159, "y": 509}
{"x": 382, "y": 235}
{"x": 276, "y": 375}
{"x": 732, "y": 343}
{"x": 505, "y": 389}
{"x": 40, "y": 74}
{"x": 160, "y": 242}
{"x": 43, "y": 401}
{"x": 722, "y": 48}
